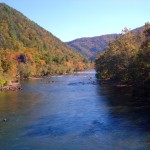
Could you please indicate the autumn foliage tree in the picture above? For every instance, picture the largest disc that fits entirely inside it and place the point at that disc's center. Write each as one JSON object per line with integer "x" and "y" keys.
{"x": 43, "y": 53}
{"x": 127, "y": 58}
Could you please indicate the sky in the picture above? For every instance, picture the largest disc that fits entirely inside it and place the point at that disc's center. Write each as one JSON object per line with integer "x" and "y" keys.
{"x": 72, "y": 19}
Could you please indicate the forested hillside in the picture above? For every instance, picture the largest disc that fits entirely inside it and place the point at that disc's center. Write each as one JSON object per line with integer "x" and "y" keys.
{"x": 91, "y": 47}
{"x": 127, "y": 59}
{"x": 26, "y": 49}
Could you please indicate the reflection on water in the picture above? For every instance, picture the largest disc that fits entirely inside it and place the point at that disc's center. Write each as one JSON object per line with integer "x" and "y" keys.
{"x": 73, "y": 113}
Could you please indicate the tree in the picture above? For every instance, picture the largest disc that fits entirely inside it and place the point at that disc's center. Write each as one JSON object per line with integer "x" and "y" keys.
{"x": 125, "y": 60}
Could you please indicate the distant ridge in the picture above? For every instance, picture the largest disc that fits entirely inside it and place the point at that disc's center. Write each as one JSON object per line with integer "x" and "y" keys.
{"x": 91, "y": 46}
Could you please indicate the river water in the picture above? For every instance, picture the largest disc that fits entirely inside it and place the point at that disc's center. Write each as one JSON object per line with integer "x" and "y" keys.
{"x": 73, "y": 113}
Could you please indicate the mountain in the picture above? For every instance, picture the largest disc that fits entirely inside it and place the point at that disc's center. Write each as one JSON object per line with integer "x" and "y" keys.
{"x": 90, "y": 47}
{"x": 26, "y": 49}
{"x": 138, "y": 30}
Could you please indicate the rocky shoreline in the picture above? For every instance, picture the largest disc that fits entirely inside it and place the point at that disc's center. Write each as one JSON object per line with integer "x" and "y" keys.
{"x": 11, "y": 87}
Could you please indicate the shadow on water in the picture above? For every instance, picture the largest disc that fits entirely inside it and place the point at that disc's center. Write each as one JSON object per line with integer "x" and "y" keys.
{"x": 123, "y": 104}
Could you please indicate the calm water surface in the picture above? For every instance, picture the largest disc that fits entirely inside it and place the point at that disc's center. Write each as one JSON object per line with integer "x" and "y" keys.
{"x": 73, "y": 113}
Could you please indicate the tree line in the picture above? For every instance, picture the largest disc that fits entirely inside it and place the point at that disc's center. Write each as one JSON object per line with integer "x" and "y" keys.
{"x": 127, "y": 59}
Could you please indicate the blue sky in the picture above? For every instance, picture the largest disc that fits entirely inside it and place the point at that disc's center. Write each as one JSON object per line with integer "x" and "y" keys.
{"x": 71, "y": 19}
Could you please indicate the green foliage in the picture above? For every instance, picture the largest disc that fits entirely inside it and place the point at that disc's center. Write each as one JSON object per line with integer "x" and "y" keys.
{"x": 24, "y": 70}
{"x": 126, "y": 59}
{"x": 4, "y": 80}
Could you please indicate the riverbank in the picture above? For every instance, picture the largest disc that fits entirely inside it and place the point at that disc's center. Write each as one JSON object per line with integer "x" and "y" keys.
{"x": 14, "y": 86}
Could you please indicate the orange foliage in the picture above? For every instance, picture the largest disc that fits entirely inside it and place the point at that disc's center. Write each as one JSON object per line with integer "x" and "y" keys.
{"x": 80, "y": 65}
{"x": 42, "y": 62}
{"x": 69, "y": 64}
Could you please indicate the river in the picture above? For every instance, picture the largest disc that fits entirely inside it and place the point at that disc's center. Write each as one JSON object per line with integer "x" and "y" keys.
{"x": 73, "y": 112}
